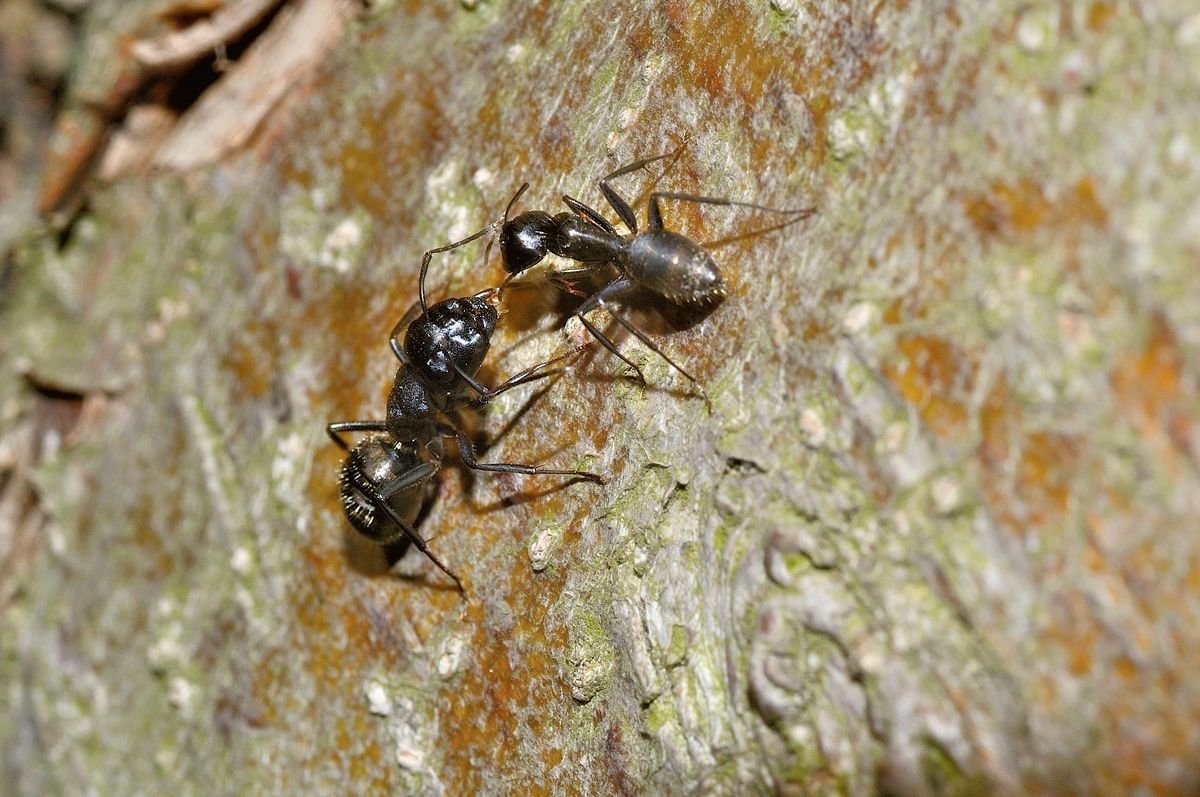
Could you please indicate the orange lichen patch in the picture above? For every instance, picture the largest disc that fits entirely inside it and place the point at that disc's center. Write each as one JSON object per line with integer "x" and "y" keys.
{"x": 1149, "y": 386}
{"x": 941, "y": 265}
{"x": 1043, "y": 484}
{"x": 933, "y": 375}
{"x": 1100, "y": 14}
{"x": 157, "y": 560}
{"x": 1021, "y": 207}
{"x": 737, "y": 68}
{"x": 999, "y": 422}
{"x": 820, "y": 106}
{"x": 268, "y": 673}
{"x": 512, "y": 680}
{"x": 293, "y": 172}
{"x": 483, "y": 714}
{"x": 815, "y": 330}
{"x": 251, "y": 358}
{"x": 1077, "y": 633}
{"x": 406, "y": 128}
{"x": 1017, "y": 207}
{"x": 1083, "y": 205}
{"x": 1047, "y": 463}
{"x": 347, "y": 313}
{"x": 1125, "y": 668}
{"x": 1140, "y": 745}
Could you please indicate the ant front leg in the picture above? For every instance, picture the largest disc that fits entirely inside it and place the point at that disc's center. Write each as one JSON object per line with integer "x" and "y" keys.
{"x": 530, "y": 374}
{"x": 588, "y": 213}
{"x": 467, "y": 451}
{"x": 401, "y": 325}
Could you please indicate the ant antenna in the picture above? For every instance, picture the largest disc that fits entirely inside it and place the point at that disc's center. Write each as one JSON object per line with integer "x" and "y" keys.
{"x": 524, "y": 187}
{"x": 428, "y": 256}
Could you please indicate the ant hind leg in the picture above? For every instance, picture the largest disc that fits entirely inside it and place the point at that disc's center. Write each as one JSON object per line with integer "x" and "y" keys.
{"x": 335, "y": 430}
{"x": 654, "y": 214}
{"x": 607, "y": 343}
{"x": 407, "y": 531}
{"x": 618, "y": 204}
{"x": 530, "y": 374}
{"x": 601, "y": 298}
{"x": 467, "y": 451}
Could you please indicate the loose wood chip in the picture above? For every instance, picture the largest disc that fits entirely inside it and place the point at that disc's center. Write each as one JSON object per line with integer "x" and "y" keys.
{"x": 229, "y": 112}
{"x": 180, "y": 48}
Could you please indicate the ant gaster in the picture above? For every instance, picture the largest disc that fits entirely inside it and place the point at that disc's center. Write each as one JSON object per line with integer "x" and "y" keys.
{"x": 658, "y": 260}
{"x": 444, "y": 347}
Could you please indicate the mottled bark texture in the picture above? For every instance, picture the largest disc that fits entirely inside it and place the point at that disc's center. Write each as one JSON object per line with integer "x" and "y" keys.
{"x": 937, "y": 535}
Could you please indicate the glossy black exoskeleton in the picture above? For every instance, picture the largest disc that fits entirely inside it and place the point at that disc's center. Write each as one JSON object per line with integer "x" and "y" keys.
{"x": 385, "y": 478}
{"x": 657, "y": 260}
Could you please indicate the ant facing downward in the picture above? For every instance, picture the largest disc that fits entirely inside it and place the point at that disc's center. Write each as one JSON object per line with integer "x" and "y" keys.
{"x": 660, "y": 261}
{"x": 444, "y": 348}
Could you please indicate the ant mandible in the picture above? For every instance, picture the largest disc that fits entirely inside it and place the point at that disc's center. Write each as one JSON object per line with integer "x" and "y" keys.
{"x": 444, "y": 347}
{"x": 661, "y": 261}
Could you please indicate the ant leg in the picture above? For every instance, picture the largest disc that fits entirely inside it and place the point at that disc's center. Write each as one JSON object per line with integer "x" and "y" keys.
{"x": 654, "y": 215}
{"x": 612, "y": 291}
{"x": 620, "y": 205}
{"x": 466, "y": 377}
{"x": 607, "y": 343}
{"x": 414, "y": 477}
{"x": 402, "y": 324}
{"x": 649, "y": 343}
{"x": 334, "y": 430}
{"x": 531, "y": 374}
{"x": 565, "y": 280}
{"x": 408, "y": 532}
{"x": 428, "y": 256}
{"x": 588, "y": 213}
{"x": 467, "y": 452}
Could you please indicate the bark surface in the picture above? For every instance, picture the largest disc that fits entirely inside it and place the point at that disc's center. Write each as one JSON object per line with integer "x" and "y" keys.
{"x": 936, "y": 535}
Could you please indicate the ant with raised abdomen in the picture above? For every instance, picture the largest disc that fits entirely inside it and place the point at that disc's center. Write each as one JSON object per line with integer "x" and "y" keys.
{"x": 660, "y": 261}
{"x": 444, "y": 347}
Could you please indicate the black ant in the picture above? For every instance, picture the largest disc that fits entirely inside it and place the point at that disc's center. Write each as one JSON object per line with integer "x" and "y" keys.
{"x": 444, "y": 347}
{"x": 658, "y": 260}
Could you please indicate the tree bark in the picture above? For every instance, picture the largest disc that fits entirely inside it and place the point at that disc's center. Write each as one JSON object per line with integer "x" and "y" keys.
{"x": 936, "y": 533}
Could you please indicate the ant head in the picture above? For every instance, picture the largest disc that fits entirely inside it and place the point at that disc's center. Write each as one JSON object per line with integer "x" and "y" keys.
{"x": 376, "y": 461}
{"x": 523, "y": 240}
{"x": 452, "y": 338}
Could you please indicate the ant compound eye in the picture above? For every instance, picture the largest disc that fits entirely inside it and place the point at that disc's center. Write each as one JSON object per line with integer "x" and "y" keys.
{"x": 523, "y": 240}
